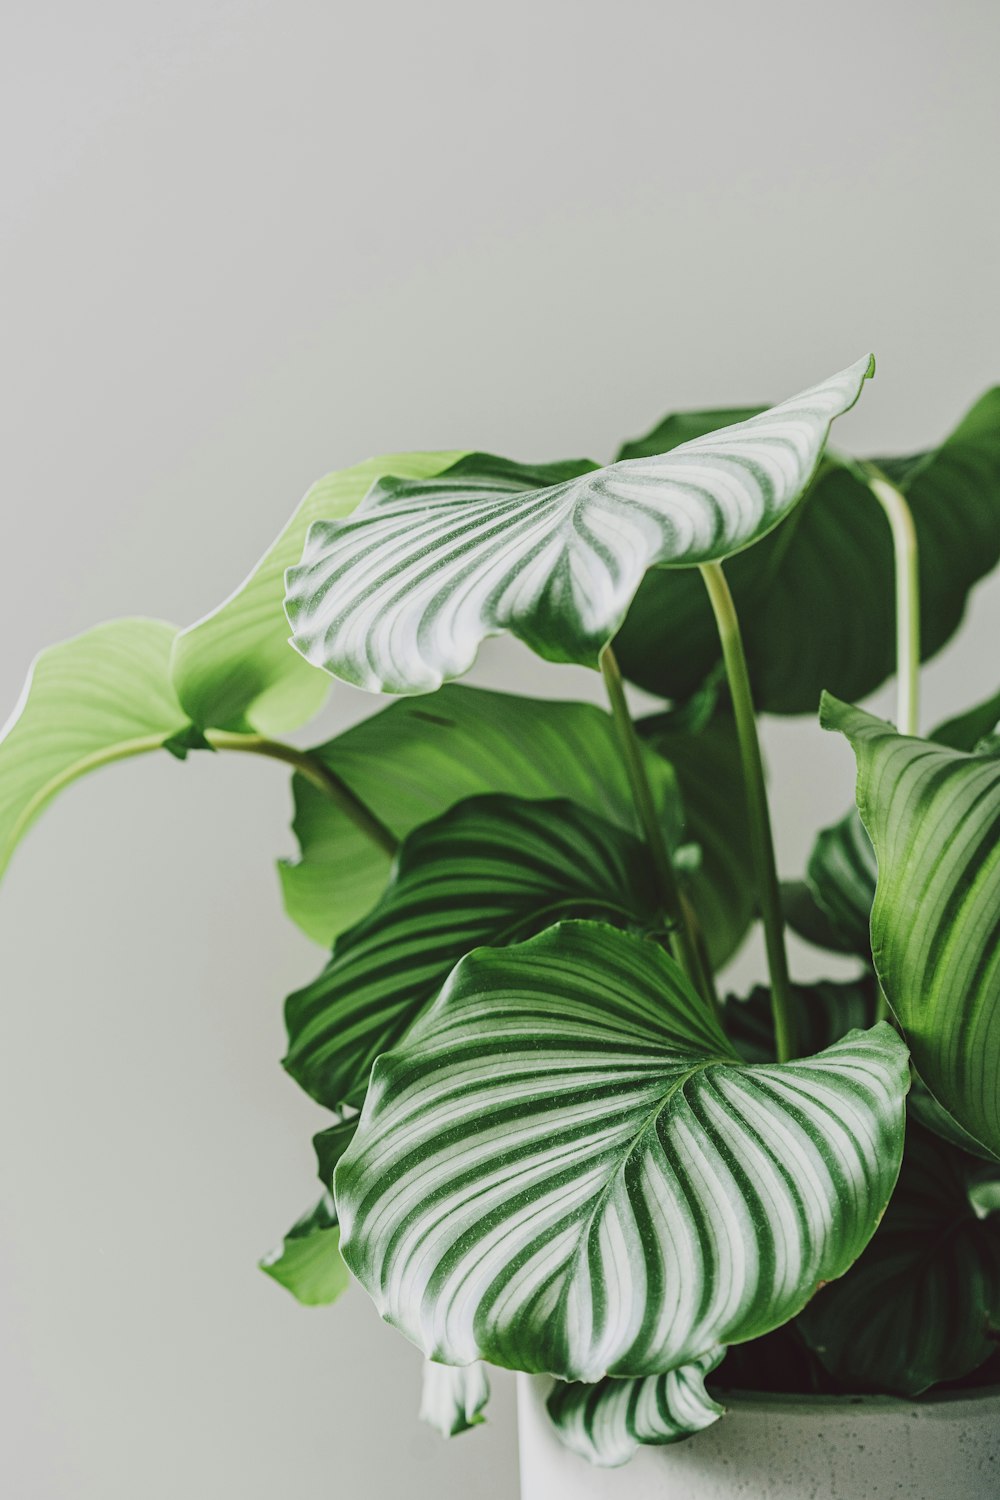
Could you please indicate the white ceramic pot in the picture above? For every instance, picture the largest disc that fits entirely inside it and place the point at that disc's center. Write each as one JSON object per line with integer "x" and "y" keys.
{"x": 787, "y": 1448}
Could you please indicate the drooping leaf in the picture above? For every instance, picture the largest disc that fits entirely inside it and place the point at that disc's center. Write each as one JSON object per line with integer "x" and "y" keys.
{"x": 922, "y": 1304}
{"x": 825, "y": 1011}
{"x": 399, "y": 598}
{"x": 493, "y": 870}
{"x": 607, "y": 1422}
{"x": 706, "y": 761}
{"x": 234, "y": 669}
{"x": 97, "y": 698}
{"x": 454, "y": 1397}
{"x": 816, "y": 598}
{"x": 413, "y": 761}
{"x": 566, "y": 1167}
{"x": 308, "y": 1262}
{"x": 933, "y": 816}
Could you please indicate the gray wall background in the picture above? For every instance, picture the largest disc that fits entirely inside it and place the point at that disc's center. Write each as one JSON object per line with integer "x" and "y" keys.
{"x": 245, "y": 243}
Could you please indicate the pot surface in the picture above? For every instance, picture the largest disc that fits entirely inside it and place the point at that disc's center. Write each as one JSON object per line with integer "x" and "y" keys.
{"x": 786, "y": 1448}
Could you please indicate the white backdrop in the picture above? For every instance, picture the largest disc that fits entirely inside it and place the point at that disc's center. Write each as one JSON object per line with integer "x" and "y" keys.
{"x": 245, "y": 243}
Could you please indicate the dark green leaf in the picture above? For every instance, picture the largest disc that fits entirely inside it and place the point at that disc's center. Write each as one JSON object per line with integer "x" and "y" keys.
{"x": 413, "y": 761}
{"x": 816, "y": 598}
{"x": 933, "y": 815}
{"x": 492, "y": 870}
{"x": 308, "y": 1262}
{"x": 922, "y": 1304}
{"x": 566, "y": 1168}
{"x": 607, "y": 1422}
{"x": 825, "y": 1011}
{"x": 330, "y": 1145}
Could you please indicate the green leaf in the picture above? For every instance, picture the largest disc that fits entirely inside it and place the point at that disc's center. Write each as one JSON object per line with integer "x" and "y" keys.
{"x": 399, "y": 598}
{"x": 97, "y": 698}
{"x": 308, "y": 1262}
{"x": 493, "y": 870}
{"x": 607, "y": 1422}
{"x": 413, "y": 761}
{"x": 706, "y": 762}
{"x": 922, "y": 1304}
{"x": 454, "y": 1398}
{"x": 825, "y": 1011}
{"x": 816, "y": 598}
{"x": 330, "y": 1145}
{"x": 234, "y": 669}
{"x": 566, "y": 1167}
{"x": 933, "y": 816}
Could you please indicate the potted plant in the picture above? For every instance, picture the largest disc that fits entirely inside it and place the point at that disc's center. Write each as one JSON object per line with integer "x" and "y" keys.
{"x": 552, "y": 1145}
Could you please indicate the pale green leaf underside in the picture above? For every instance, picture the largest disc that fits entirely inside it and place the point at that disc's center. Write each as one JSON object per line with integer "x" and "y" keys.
{"x": 413, "y": 761}
{"x": 606, "y": 1423}
{"x": 399, "y": 598}
{"x": 933, "y": 816}
{"x": 454, "y": 1399}
{"x": 492, "y": 870}
{"x": 922, "y": 1304}
{"x": 99, "y": 697}
{"x": 234, "y": 669}
{"x": 308, "y": 1262}
{"x": 566, "y": 1167}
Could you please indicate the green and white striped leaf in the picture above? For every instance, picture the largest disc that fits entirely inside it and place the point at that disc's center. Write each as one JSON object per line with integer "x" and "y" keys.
{"x": 816, "y": 598}
{"x": 454, "y": 1398}
{"x": 922, "y": 1304}
{"x": 308, "y": 1262}
{"x": 492, "y": 870}
{"x": 608, "y": 1422}
{"x": 413, "y": 761}
{"x": 97, "y": 698}
{"x": 933, "y": 816}
{"x": 399, "y": 598}
{"x": 567, "y": 1168}
{"x": 233, "y": 669}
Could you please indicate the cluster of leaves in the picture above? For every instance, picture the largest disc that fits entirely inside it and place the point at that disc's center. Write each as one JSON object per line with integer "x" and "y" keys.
{"x": 549, "y": 1148}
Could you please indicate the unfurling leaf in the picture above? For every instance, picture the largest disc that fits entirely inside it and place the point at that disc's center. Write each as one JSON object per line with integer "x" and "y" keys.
{"x": 399, "y": 597}
{"x": 933, "y": 816}
{"x": 567, "y": 1168}
{"x": 607, "y": 1422}
{"x": 492, "y": 870}
{"x": 454, "y": 1397}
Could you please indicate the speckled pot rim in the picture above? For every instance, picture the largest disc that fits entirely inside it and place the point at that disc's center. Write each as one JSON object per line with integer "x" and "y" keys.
{"x": 853, "y": 1406}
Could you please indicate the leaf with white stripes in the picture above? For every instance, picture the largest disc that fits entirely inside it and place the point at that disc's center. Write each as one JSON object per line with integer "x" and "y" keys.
{"x": 454, "y": 1398}
{"x": 566, "y": 1167}
{"x": 492, "y": 870}
{"x": 922, "y": 1304}
{"x": 400, "y": 596}
{"x": 933, "y": 816}
{"x": 607, "y": 1422}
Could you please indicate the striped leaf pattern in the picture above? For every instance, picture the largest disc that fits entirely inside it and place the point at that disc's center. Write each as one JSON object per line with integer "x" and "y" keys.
{"x": 399, "y": 597}
{"x": 454, "y": 1398}
{"x": 492, "y": 870}
{"x": 607, "y": 1422}
{"x": 567, "y": 1168}
{"x": 933, "y": 816}
{"x": 922, "y": 1304}
{"x": 841, "y": 875}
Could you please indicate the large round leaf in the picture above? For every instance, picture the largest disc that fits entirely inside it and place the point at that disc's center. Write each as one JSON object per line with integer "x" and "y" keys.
{"x": 607, "y": 1422}
{"x": 399, "y": 597}
{"x": 933, "y": 816}
{"x": 816, "y": 598}
{"x": 414, "y": 760}
{"x": 492, "y": 870}
{"x": 922, "y": 1304}
{"x": 566, "y": 1167}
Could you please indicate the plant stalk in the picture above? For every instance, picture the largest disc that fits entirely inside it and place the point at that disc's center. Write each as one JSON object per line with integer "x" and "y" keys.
{"x": 315, "y": 771}
{"x": 683, "y": 943}
{"x": 761, "y": 840}
{"x": 906, "y": 562}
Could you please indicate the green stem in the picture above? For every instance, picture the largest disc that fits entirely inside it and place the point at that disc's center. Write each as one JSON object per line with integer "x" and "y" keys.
{"x": 315, "y": 771}
{"x": 761, "y": 841}
{"x": 905, "y": 556}
{"x": 683, "y": 944}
